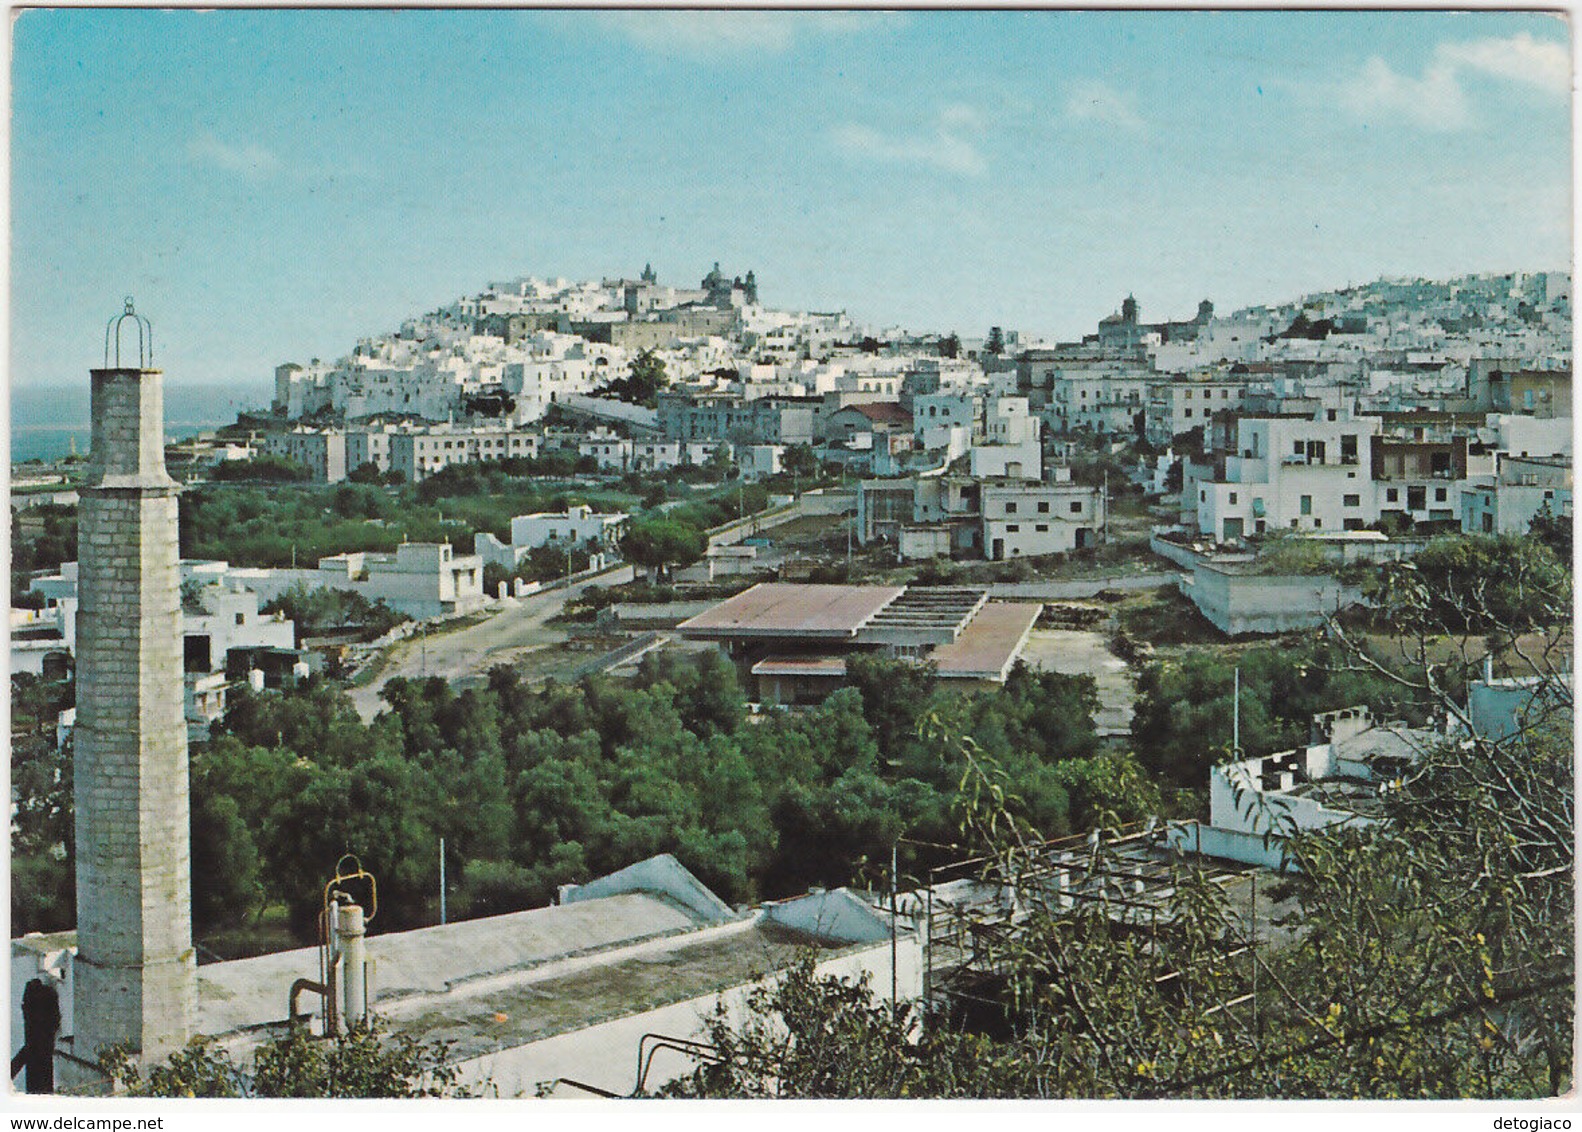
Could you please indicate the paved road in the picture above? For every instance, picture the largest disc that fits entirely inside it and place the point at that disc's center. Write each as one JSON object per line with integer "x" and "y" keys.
{"x": 1057, "y": 591}
{"x": 518, "y": 628}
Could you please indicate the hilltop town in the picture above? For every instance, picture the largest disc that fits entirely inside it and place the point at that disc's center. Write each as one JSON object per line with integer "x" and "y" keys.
{"x": 641, "y": 639}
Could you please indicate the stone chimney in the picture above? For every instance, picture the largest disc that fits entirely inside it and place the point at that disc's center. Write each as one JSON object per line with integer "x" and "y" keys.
{"x": 136, "y": 975}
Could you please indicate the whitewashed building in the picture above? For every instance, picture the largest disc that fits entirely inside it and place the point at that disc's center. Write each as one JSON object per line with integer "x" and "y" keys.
{"x": 1026, "y": 520}
{"x": 1292, "y": 473}
{"x": 576, "y": 526}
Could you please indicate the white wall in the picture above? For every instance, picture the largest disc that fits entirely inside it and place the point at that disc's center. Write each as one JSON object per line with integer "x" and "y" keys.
{"x": 1266, "y": 603}
{"x": 605, "y": 1055}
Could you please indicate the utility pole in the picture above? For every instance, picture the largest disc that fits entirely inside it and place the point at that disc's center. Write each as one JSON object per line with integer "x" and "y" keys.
{"x": 442, "y": 880}
{"x": 895, "y": 900}
{"x": 1235, "y": 714}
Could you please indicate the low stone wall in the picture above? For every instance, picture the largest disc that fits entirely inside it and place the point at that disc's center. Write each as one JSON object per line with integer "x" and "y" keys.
{"x": 1174, "y": 551}
{"x": 1238, "y": 603}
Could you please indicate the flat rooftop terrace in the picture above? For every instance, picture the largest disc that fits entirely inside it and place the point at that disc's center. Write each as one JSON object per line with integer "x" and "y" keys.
{"x": 501, "y": 1014}
{"x": 246, "y": 993}
{"x": 990, "y": 644}
{"x": 785, "y": 609}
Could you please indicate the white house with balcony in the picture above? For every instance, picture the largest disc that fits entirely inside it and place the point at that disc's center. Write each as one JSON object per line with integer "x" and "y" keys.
{"x": 1296, "y": 473}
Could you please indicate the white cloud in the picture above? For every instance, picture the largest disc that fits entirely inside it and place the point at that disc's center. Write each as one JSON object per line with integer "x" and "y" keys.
{"x": 1435, "y": 101}
{"x": 1092, "y": 101}
{"x": 1545, "y": 64}
{"x": 943, "y": 148}
{"x": 253, "y": 160}
{"x": 1438, "y": 100}
{"x": 723, "y": 32}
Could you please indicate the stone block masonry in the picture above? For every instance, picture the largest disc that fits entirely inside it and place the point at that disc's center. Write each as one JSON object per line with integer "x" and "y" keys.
{"x": 135, "y": 966}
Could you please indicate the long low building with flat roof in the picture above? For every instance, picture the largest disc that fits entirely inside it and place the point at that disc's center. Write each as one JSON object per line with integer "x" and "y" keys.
{"x": 565, "y": 1000}
{"x": 790, "y": 642}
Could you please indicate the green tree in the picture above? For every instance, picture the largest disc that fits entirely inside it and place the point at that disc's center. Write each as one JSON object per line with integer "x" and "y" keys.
{"x": 644, "y": 378}
{"x": 226, "y": 867}
{"x": 1475, "y": 584}
{"x": 365, "y": 1062}
{"x": 261, "y": 469}
{"x": 661, "y": 545}
{"x": 995, "y": 344}
{"x": 950, "y": 345}
{"x": 799, "y": 461}
{"x": 1554, "y": 531}
{"x": 894, "y": 694}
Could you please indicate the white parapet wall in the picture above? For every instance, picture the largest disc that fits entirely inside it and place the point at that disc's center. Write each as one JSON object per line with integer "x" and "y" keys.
{"x": 1237, "y": 602}
{"x": 605, "y": 1055}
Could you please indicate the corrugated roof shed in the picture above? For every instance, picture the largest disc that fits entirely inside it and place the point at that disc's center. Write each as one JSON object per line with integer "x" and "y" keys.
{"x": 990, "y": 643}
{"x": 780, "y": 609}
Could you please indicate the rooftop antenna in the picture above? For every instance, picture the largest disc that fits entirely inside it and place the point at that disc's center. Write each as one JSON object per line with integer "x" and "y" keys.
{"x": 145, "y": 337}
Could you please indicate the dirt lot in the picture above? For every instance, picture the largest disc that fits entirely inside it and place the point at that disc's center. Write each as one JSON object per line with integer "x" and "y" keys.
{"x": 1076, "y": 652}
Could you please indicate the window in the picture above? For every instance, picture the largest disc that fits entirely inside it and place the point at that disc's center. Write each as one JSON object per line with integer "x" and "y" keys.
{"x": 1189, "y": 414}
{"x": 241, "y": 618}
{"x": 1010, "y": 508}
{"x": 1296, "y": 448}
{"x": 1439, "y": 495}
{"x": 1416, "y": 498}
{"x": 1202, "y": 496}
{"x": 1351, "y": 500}
{"x": 1233, "y": 499}
{"x": 1348, "y": 448}
{"x": 1392, "y": 495}
{"x": 1076, "y": 508}
{"x": 1013, "y": 528}
{"x": 1307, "y": 505}
{"x": 1043, "y": 507}
{"x": 1329, "y": 415}
{"x": 1043, "y": 528}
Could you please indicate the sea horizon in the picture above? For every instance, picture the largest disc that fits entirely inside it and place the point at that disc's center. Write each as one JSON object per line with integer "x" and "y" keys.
{"x": 47, "y": 420}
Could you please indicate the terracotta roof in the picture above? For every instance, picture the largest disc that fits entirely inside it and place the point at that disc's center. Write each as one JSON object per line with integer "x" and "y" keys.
{"x": 832, "y": 666}
{"x": 990, "y": 643}
{"x": 884, "y": 412}
{"x": 772, "y": 609}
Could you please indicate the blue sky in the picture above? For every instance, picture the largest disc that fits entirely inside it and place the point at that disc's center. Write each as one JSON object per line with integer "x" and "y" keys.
{"x": 270, "y": 185}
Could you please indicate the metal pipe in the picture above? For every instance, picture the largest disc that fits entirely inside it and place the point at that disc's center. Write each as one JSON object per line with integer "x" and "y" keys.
{"x": 297, "y": 988}
{"x": 351, "y": 933}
